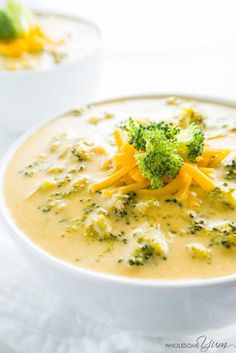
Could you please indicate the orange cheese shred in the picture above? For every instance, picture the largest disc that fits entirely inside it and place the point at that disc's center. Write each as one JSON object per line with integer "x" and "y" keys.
{"x": 171, "y": 188}
{"x": 183, "y": 191}
{"x": 126, "y": 176}
{"x": 133, "y": 187}
{"x": 111, "y": 179}
{"x": 203, "y": 180}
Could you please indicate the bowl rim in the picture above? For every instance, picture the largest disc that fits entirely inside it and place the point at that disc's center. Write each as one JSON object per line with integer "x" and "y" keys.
{"x": 45, "y": 256}
{"x": 77, "y": 58}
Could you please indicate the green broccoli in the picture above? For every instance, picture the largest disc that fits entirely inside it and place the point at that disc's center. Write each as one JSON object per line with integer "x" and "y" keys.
{"x": 190, "y": 115}
{"x": 122, "y": 204}
{"x": 169, "y": 129}
{"x": 98, "y": 226}
{"x": 138, "y": 133}
{"x": 190, "y": 143}
{"x": 163, "y": 147}
{"x": 147, "y": 241}
{"x": 224, "y": 235}
{"x": 7, "y": 29}
{"x": 231, "y": 170}
{"x": 14, "y": 20}
{"x": 222, "y": 196}
{"x": 80, "y": 152}
{"x": 161, "y": 159}
{"x": 20, "y": 16}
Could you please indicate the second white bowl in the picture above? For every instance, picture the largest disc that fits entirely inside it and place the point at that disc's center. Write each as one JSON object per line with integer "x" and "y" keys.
{"x": 27, "y": 97}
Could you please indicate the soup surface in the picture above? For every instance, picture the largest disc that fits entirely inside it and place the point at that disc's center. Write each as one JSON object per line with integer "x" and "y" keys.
{"x": 74, "y": 187}
{"x": 69, "y": 38}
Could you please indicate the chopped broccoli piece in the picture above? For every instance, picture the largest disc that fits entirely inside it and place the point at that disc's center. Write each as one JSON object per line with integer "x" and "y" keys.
{"x": 190, "y": 115}
{"x": 98, "y": 226}
{"x": 121, "y": 204}
{"x": 140, "y": 254}
{"x": 50, "y": 204}
{"x": 138, "y": 133}
{"x": 80, "y": 152}
{"x": 169, "y": 129}
{"x": 162, "y": 148}
{"x": 79, "y": 184}
{"x": 15, "y": 19}
{"x": 200, "y": 251}
{"x": 231, "y": 170}
{"x": 7, "y": 29}
{"x": 20, "y": 16}
{"x": 197, "y": 225}
{"x": 161, "y": 159}
{"x": 144, "y": 207}
{"x": 190, "y": 143}
{"x": 225, "y": 197}
{"x": 148, "y": 241}
{"x": 224, "y": 235}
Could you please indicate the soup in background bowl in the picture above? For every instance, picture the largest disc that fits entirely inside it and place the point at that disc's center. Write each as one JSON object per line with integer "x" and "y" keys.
{"x": 46, "y": 69}
{"x": 67, "y": 39}
{"x": 128, "y": 207}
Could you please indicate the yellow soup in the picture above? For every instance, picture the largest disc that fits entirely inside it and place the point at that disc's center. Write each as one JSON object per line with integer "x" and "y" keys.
{"x": 76, "y": 187}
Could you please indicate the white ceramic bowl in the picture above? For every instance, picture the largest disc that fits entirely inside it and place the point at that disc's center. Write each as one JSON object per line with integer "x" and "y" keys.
{"x": 28, "y": 96}
{"x": 145, "y": 307}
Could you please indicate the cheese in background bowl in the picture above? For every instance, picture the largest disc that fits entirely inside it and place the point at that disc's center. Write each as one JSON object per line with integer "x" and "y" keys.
{"x": 47, "y": 63}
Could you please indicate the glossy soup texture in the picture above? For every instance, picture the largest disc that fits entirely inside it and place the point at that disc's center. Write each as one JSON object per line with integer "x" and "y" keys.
{"x": 71, "y": 38}
{"x": 47, "y": 190}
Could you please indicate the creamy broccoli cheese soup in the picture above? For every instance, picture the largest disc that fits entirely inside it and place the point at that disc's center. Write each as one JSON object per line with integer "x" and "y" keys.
{"x": 143, "y": 188}
{"x": 59, "y": 39}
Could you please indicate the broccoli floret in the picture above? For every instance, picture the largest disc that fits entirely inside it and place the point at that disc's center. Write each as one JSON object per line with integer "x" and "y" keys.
{"x": 138, "y": 133}
{"x": 140, "y": 254}
{"x": 162, "y": 148}
{"x": 15, "y": 19}
{"x": 190, "y": 115}
{"x": 148, "y": 241}
{"x": 197, "y": 225}
{"x": 98, "y": 226}
{"x": 231, "y": 170}
{"x": 225, "y": 197}
{"x": 169, "y": 129}
{"x": 79, "y": 184}
{"x": 224, "y": 235}
{"x": 80, "y": 152}
{"x": 121, "y": 204}
{"x": 190, "y": 143}
{"x": 7, "y": 28}
{"x": 50, "y": 204}
{"x": 20, "y": 16}
{"x": 161, "y": 159}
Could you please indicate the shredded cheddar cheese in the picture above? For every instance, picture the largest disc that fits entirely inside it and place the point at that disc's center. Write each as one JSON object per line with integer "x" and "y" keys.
{"x": 126, "y": 170}
{"x": 31, "y": 42}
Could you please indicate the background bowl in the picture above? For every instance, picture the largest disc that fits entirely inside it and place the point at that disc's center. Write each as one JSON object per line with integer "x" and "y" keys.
{"x": 28, "y": 96}
{"x": 144, "y": 307}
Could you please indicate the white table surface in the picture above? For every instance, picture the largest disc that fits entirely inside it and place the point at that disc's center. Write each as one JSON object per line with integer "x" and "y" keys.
{"x": 204, "y": 70}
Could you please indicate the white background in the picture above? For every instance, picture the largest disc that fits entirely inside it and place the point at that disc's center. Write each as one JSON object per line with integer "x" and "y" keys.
{"x": 163, "y": 45}
{"x": 186, "y": 46}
